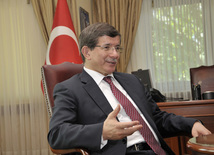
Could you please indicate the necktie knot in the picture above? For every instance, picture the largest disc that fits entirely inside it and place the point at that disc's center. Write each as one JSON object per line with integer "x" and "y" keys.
{"x": 107, "y": 79}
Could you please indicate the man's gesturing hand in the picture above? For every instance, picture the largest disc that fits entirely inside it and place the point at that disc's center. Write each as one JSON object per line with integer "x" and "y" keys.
{"x": 114, "y": 130}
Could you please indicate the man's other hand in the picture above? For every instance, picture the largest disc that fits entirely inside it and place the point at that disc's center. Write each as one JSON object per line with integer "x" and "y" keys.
{"x": 198, "y": 129}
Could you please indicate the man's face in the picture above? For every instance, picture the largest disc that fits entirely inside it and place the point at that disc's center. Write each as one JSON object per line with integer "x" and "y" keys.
{"x": 103, "y": 58}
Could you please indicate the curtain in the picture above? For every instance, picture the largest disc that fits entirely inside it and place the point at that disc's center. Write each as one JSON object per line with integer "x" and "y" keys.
{"x": 44, "y": 11}
{"x": 23, "y": 114}
{"x": 141, "y": 57}
{"x": 178, "y": 36}
{"x": 124, "y": 16}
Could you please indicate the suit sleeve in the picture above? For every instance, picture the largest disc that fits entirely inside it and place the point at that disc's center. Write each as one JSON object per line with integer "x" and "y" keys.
{"x": 65, "y": 132}
{"x": 170, "y": 124}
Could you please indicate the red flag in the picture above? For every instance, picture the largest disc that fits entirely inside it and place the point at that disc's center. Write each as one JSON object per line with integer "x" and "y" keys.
{"x": 63, "y": 44}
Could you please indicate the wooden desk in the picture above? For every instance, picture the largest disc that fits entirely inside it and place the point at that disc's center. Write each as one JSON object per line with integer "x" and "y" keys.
{"x": 202, "y": 145}
{"x": 199, "y": 109}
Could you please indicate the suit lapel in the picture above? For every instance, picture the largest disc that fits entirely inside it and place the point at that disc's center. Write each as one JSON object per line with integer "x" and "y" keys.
{"x": 127, "y": 85}
{"x": 141, "y": 104}
{"x": 95, "y": 93}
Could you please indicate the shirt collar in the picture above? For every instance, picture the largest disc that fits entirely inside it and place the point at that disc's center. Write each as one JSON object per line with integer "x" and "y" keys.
{"x": 98, "y": 77}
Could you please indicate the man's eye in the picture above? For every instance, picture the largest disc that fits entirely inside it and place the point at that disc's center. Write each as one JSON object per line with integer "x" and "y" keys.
{"x": 106, "y": 48}
{"x": 117, "y": 48}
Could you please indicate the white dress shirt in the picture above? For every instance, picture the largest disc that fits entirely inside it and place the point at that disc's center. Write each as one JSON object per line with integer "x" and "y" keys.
{"x": 136, "y": 137}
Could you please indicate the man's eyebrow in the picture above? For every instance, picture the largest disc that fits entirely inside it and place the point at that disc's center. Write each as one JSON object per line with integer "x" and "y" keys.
{"x": 108, "y": 44}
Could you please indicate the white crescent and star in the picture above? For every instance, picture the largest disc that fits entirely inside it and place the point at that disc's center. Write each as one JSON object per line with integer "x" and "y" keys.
{"x": 57, "y": 31}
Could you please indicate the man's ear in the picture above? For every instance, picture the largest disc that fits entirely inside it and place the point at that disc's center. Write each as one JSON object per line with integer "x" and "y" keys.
{"x": 86, "y": 52}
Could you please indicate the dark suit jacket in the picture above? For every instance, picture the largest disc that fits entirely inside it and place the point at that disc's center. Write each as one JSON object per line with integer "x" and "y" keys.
{"x": 81, "y": 108}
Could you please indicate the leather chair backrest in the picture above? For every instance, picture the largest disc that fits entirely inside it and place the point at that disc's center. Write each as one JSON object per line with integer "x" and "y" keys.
{"x": 53, "y": 74}
{"x": 203, "y": 75}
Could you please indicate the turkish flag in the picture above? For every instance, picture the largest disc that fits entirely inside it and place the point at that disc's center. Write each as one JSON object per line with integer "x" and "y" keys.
{"x": 63, "y": 44}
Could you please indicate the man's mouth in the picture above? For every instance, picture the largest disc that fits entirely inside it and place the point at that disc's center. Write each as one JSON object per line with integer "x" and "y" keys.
{"x": 112, "y": 61}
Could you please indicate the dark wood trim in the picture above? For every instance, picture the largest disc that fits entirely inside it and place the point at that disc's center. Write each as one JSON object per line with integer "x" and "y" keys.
{"x": 199, "y": 109}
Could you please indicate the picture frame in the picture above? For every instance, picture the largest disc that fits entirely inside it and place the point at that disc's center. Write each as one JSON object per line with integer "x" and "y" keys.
{"x": 84, "y": 18}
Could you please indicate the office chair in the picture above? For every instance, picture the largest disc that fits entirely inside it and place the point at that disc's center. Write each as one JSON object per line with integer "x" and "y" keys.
{"x": 203, "y": 75}
{"x": 51, "y": 75}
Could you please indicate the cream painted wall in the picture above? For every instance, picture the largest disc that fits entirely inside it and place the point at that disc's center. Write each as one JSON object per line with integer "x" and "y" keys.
{"x": 86, "y": 5}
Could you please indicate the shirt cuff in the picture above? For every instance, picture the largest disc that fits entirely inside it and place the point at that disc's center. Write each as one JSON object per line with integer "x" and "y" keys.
{"x": 103, "y": 142}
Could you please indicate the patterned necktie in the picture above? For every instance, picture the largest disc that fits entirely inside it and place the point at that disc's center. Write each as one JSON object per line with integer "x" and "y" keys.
{"x": 134, "y": 115}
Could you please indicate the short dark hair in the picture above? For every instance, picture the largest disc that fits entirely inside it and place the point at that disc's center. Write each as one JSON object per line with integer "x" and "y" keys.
{"x": 90, "y": 35}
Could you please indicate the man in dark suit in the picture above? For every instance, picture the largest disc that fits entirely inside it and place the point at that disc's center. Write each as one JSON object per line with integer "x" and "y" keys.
{"x": 88, "y": 115}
